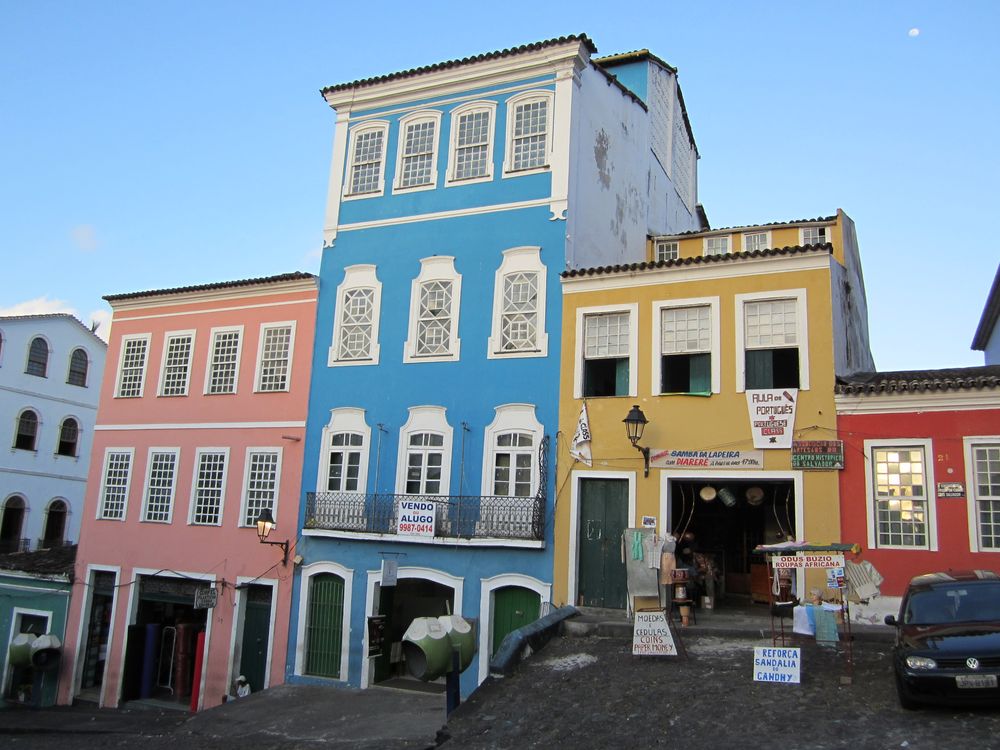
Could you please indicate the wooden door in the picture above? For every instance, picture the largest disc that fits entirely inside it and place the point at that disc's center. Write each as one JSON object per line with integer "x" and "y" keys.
{"x": 513, "y": 607}
{"x": 603, "y": 518}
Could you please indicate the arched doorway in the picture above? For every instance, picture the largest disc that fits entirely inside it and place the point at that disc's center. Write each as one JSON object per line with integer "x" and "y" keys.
{"x": 55, "y": 524}
{"x": 10, "y": 526}
{"x": 400, "y": 605}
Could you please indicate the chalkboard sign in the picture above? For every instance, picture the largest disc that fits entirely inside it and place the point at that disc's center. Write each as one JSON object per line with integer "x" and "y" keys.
{"x": 376, "y": 635}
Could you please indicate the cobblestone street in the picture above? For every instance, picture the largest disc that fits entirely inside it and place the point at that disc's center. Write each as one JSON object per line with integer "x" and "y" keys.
{"x": 591, "y": 692}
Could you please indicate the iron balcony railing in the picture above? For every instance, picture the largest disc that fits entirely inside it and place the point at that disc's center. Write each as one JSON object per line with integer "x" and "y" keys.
{"x": 8, "y": 546}
{"x": 456, "y": 516}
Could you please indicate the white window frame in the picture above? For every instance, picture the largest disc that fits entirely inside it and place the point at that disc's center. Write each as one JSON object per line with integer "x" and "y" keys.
{"x": 355, "y": 133}
{"x": 125, "y": 340}
{"x": 101, "y": 515}
{"x": 258, "y": 370}
{"x": 802, "y": 331}
{"x": 431, "y": 419}
{"x": 512, "y": 104}
{"x": 348, "y": 419}
{"x": 167, "y": 338}
{"x": 930, "y": 495}
{"x": 144, "y": 513}
{"x": 16, "y": 619}
{"x": 250, "y": 452}
{"x": 715, "y": 347}
{"x": 415, "y": 118}
{"x": 970, "y": 443}
{"x": 455, "y": 115}
{"x": 437, "y": 268}
{"x": 510, "y": 418}
{"x": 519, "y": 260}
{"x": 802, "y": 234}
{"x": 193, "y": 505}
{"x": 744, "y": 239}
{"x": 668, "y": 247}
{"x": 725, "y": 238}
{"x": 633, "y": 346}
{"x": 213, "y": 335}
{"x": 360, "y": 276}
{"x": 306, "y": 574}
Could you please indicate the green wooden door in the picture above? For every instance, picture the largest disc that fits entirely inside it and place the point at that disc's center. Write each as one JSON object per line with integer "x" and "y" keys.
{"x": 256, "y": 633}
{"x": 324, "y": 625}
{"x": 513, "y": 607}
{"x": 603, "y": 518}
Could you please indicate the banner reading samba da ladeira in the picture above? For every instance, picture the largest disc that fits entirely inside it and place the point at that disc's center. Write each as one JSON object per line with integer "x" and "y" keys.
{"x": 772, "y": 416}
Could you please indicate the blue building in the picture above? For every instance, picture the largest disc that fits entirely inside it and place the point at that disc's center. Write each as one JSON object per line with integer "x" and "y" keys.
{"x": 50, "y": 379}
{"x": 458, "y": 194}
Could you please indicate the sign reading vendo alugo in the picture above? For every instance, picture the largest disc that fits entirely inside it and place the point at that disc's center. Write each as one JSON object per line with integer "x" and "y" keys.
{"x": 416, "y": 517}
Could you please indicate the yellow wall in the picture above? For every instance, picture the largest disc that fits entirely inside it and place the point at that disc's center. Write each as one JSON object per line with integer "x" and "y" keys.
{"x": 720, "y": 421}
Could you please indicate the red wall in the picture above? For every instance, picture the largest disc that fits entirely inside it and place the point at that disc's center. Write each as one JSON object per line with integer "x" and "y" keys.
{"x": 946, "y": 430}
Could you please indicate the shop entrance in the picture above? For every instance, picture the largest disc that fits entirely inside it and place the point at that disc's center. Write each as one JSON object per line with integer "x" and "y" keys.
{"x": 256, "y": 634}
{"x": 408, "y": 599}
{"x": 162, "y": 646}
{"x": 722, "y": 521}
{"x": 98, "y": 629}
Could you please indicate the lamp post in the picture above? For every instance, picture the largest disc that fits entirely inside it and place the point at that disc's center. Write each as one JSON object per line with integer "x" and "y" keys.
{"x": 635, "y": 423}
{"x": 265, "y": 522}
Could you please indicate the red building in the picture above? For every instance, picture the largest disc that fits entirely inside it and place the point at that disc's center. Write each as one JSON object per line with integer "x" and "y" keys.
{"x": 920, "y": 488}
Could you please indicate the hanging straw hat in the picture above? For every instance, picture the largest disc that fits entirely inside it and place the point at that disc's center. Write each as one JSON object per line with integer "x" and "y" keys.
{"x": 755, "y": 495}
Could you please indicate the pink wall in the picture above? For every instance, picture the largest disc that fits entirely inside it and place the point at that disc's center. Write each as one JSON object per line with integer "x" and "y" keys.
{"x": 946, "y": 429}
{"x": 228, "y": 552}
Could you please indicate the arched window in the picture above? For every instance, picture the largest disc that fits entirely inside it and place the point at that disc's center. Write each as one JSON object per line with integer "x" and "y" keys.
{"x": 27, "y": 431}
{"x": 38, "y": 357}
{"x": 78, "y": 364}
{"x": 55, "y": 524}
{"x": 69, "y": 437}
{"x": 10, "y": 526}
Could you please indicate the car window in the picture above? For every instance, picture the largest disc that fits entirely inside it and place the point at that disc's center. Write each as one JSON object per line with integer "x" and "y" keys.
{"x": 978, "y": 602}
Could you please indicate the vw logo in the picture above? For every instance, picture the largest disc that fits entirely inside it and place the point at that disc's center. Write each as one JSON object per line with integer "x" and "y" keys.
{"x": 972, "y": 662}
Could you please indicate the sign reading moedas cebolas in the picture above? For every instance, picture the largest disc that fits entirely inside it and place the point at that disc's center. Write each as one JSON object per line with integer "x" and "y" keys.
{"x": 416, "y": 517}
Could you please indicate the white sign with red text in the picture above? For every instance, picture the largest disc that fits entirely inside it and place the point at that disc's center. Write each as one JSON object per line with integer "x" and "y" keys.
{"x": 806, "y": 560}
{"x": 772, "y": 416}
{"x": 416, "y": 517}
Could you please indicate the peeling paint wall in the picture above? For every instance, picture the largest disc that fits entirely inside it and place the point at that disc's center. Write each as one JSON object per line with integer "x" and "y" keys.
{"x": 619, "y": 190}
{"x": 852, "y": 348}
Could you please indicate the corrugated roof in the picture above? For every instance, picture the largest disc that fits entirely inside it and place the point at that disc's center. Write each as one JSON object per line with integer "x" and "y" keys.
{"x": 44, "y": 316}
{"x": 532, "y": 47}
{"x": 824, "y": 247}
{"x": 293, "y": 276}
{"x": 57, "y": 561}
{"x": 904, "y": 382}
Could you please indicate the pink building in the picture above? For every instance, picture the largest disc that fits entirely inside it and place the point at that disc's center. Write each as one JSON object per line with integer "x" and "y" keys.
{"x": 199, "y": 430}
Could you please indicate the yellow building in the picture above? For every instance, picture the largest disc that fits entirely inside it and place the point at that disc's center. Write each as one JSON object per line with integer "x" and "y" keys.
{"x": 729, "y": 342}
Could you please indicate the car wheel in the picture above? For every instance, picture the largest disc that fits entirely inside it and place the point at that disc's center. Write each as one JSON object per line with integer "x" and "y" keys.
{"x": 905, "y": 701}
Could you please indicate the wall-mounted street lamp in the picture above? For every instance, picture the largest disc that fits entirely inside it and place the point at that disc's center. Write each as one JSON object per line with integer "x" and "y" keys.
{"x": 265, "y": 522}
{"x": 635, "y": 423}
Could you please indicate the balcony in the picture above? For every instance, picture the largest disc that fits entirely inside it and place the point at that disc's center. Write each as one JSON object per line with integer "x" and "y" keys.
{"x": 470, "y": 517}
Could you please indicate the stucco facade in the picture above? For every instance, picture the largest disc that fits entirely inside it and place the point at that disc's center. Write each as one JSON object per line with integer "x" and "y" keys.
{"x": 50, "y": 375}
{"x": 458, "y": 193}
{"x": 712, "y": 323}
{"x": 200, "y": 428}
{"x": 920, "y": 490}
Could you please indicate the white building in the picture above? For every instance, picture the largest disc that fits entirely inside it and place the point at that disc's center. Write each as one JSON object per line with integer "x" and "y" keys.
{"x": 50, "y": 377}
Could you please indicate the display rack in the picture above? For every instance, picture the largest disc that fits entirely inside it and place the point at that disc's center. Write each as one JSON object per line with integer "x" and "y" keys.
{"x": 780, "y": 595}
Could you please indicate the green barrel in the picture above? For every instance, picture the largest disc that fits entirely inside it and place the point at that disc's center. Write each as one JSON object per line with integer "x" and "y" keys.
{"x": 462, "y": 636}
{"x": 426, "y": 648}
{"x": 20, "y": 650}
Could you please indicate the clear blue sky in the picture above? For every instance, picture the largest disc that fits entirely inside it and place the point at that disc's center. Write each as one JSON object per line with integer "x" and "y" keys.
{"x": 149, "y": 145}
